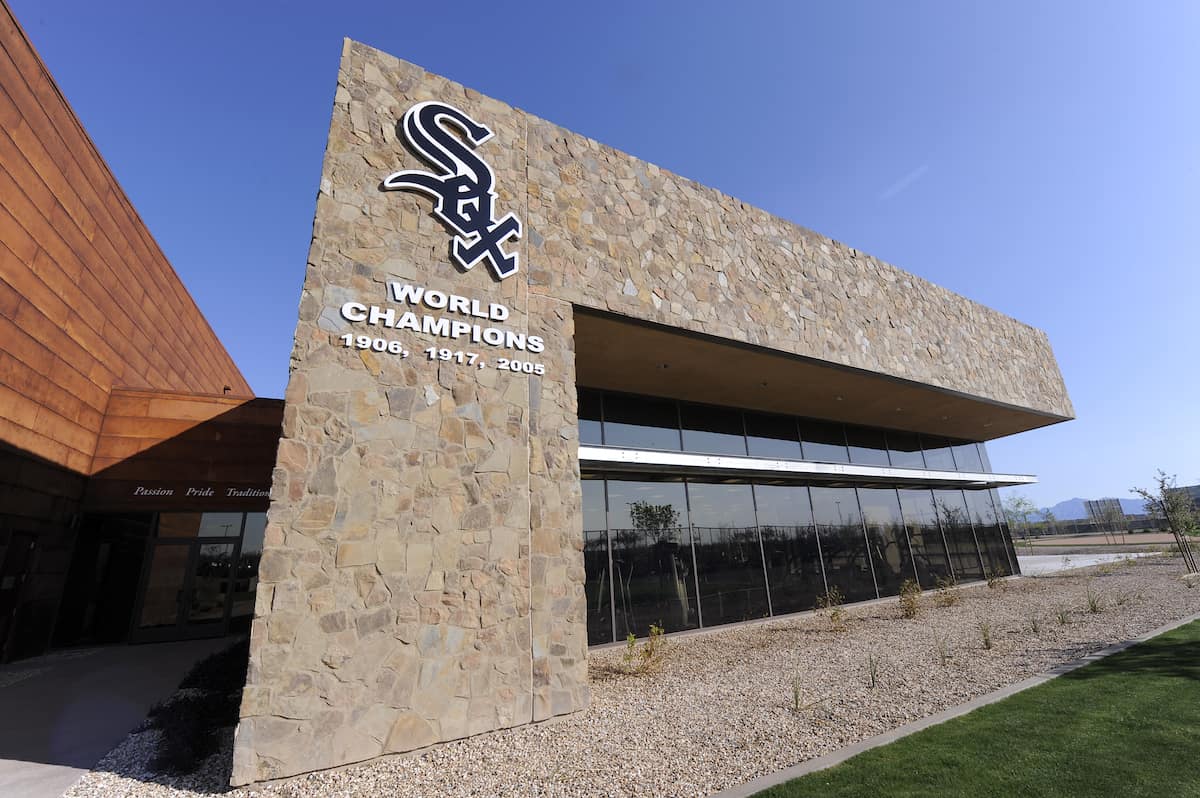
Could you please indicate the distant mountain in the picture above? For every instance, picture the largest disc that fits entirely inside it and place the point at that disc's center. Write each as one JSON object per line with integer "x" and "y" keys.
{"x": 1075, "y": 508}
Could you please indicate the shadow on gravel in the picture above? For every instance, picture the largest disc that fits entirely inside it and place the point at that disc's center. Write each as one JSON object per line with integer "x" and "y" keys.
{"x": 192, "y": 728}
{"x": 191, "y": 721}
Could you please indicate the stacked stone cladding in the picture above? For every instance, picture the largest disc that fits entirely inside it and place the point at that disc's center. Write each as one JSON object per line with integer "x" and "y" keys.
{"x": 422, "y": 576}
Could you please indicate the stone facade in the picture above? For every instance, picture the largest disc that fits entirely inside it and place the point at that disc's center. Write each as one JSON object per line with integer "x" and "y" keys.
{"x": 422, "y": 578}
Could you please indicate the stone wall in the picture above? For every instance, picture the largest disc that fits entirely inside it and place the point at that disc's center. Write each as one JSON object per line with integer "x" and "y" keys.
{"x": 422, "y": 578}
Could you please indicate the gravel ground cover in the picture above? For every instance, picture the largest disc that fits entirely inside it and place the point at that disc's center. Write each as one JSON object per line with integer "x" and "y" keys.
{"x": 729, "y": 705}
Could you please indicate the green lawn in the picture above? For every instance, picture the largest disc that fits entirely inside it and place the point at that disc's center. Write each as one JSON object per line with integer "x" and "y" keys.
{"x": 1127, "y": 725}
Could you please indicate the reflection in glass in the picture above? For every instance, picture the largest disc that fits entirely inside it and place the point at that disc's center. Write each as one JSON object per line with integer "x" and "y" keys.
{"x": 937, "y": 453}
{"x": 595, "y": 563}
{"x": 823, "y": 442}
{"x": 638, "y": 422}
{"x": 885, "y": 536}
{"x": 728, "y": 556}
{"x": 793, "y": 555}
{"x": 162, "y": 601}
{"x": 867, "y": 446}
{"x": 983, "y": 457}
{"x": 245, "y": 584}
{"x": 988, "y": 532}
{"x": 590, "y": 409}
{"x": 904, "y": 449}
{"x": 1008, "y": 542}
{"x": 210, "y": 583}
{"x": 966, "y": 457}
{"x": 925, "y": 536}
{"x": 843, "y": 547}
{"x": 652, "y": 561}
{"x": 772, "y": 436}
{"x": 712, "y": 430}
{"x": 204, "y": 525}
{"x": 956, "y": 528}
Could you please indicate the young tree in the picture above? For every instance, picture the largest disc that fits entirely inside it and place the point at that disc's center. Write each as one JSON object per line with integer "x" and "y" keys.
{"x": 1050, "y": 520}
{"x": 1018, "y": 509}
{"x": 1166, "y": 499}
{"x": 1112, "y": 518}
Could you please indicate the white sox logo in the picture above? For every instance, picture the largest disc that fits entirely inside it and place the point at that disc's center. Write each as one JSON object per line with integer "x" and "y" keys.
{"x": 464, "y": 191}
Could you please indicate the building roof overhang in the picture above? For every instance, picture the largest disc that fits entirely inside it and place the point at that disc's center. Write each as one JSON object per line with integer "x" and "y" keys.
{"x": 623, "y": 354}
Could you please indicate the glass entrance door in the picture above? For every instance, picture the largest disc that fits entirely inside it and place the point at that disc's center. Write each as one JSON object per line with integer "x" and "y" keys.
{"x": 187, "y": 589}
{"x": 189, "y": 584}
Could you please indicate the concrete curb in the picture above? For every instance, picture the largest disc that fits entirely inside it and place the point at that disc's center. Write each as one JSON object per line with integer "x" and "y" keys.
{"x": 841, "y": 755}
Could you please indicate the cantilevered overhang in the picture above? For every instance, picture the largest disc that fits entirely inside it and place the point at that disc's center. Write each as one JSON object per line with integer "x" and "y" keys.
{"x": 623, "y": 354}
{"x": 610, "y": 458}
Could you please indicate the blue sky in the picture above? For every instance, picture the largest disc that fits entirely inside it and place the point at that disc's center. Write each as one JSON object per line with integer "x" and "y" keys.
{"x": 1040, "y": 158}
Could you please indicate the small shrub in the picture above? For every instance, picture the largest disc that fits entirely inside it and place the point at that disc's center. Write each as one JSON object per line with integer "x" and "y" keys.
{"x": 1064, "y": 616}
{"x": 1035, "y": 623}
{"x": 947, "y": 591}
{"x": 655, "y": 644}
{"x": 943, "y": 650}
{"x": 872, "y": 670}
{"x": 1094, "y": 602}
{"x": 630, "y": 655}
{"x": 831, "y": 601}
{"x": 798, "y": 703}
{"x": 1122, "y": 599}
{"x": 639, "y": 661}
{"x": 985, "y": 631}
{"x": 910, "y": 599}
{"x": 995, "y": 579}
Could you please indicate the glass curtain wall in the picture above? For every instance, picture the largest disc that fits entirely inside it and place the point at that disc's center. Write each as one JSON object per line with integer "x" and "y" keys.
{"x": 988, "y": 532}
{"x": 638, "y": 422}
{"x": 687, "y": 553}
{"x": 1007, "y": 536}
{"x": 939, "y": 454}
{"x": 728, "y": 553}
{"x": 641, "y": 422}
{"x": 867, "y": 446}
{"x": 653, "y": 568}
{"x": 712, "y": 430}
{"x": 843, "y": 543}
{"x": 890, "y": 555}
{"x": 775, "y": 437}
{"x": 925, "y": 536}
{"x": 795, "y": 572}
{"x": 596, "y": 564}
{"x": 960, "y": 538}
{"x": 904, "y": 449}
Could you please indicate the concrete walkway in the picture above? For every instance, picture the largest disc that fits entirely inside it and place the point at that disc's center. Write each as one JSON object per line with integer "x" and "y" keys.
{"x": 1039, "y": 564}
{"x": 60, "y": 713}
